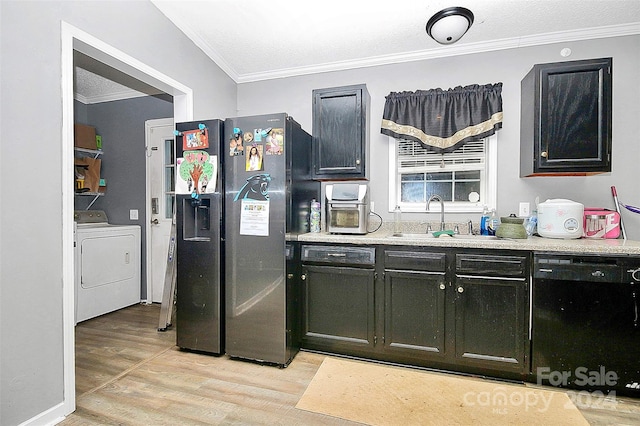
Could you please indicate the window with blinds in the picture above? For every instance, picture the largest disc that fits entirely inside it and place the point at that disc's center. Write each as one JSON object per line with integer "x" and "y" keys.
{"x": 462, "y": 178}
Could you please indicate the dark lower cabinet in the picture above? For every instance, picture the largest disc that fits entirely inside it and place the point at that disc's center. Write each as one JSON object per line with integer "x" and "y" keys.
{"x": 415, "y": 313}
{"x": 459, "y": 309}
{"x": 338, "y": 303}
{"x": 491, "y": 311}
{"x": 414, "y": 304}
{"x": 490, "y": 322}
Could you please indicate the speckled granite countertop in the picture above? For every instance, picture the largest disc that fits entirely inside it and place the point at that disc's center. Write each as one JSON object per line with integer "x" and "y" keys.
{"x": 386, "y": 237}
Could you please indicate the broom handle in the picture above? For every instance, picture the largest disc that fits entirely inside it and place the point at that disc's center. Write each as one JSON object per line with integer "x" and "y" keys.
{"x": 615, "y": 199}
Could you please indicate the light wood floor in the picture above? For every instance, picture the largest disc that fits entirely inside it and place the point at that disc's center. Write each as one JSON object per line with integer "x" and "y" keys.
{"x": 128, "y": 373}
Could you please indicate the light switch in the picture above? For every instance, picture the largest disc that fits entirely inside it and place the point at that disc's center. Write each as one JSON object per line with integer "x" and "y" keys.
{"x": 524, "y": 210}
{"x": 133, "y": 214}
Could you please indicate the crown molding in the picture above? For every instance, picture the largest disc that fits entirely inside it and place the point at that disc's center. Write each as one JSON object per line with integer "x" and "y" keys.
{"x": 446, "y": 51}
{"x": 114, "y": 96}
{"x": 80, "y": 98}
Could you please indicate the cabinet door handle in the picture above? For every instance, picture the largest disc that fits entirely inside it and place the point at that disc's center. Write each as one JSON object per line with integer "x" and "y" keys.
{"x": 442, "y": 286}
{"x": 460, "y": 289}
{"x": 543, "y": 154}
{"x": 357, "y": 162}
{"x": 303, "y": 277}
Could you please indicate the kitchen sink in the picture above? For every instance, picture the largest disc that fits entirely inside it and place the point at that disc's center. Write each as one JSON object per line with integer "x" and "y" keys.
{"x": 421, "y": 236}
{"x": 413, "y": 236}
{"x": 473, "y": 237}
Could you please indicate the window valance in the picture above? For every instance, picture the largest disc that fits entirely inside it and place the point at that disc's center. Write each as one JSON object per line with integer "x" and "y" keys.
{"x": 444, "y": 119}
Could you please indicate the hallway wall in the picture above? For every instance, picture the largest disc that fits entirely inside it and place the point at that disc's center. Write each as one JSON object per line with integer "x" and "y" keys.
{"x": 31, "y": 266}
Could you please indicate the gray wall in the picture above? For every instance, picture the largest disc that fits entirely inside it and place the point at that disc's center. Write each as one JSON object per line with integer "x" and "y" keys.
{"x": 122, "y": 127}
{"x": 80, "y": 112}
{"x": 293, "y": 95}
{"x": 31, "y": 326}
{"x": 31, "y": 366}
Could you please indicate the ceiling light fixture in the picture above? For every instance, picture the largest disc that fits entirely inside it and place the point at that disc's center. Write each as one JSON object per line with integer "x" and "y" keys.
{"x": 450, "y": 24}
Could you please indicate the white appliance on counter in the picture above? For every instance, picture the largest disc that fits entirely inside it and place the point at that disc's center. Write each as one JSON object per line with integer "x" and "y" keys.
{"x": 107, "y": 265}
{"x": 560, "y": 218}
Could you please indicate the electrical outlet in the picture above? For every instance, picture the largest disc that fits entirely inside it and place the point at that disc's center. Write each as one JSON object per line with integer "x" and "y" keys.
{"x": 133, "y": 214}
{"x": 524, "y": 210}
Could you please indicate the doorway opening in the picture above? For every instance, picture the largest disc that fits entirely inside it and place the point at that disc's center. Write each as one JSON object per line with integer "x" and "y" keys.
{"x": 76, "y": 40}
{"x": 160, "y": 178}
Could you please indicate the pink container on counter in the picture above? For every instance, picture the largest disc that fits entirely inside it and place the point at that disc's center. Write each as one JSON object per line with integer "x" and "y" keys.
{"x": 601, "y": 223}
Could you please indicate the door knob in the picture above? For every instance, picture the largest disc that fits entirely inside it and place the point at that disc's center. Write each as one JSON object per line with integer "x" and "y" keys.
{"x": 543, "y": 154}
{"x": 155, "y": 222}
{"x": 442, "y": 286}
{"x": 303, "y": 277}
{"x": 460, "y": 289}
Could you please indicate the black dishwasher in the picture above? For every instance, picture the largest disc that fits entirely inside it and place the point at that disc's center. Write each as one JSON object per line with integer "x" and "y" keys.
{"x": 586, "y": 331}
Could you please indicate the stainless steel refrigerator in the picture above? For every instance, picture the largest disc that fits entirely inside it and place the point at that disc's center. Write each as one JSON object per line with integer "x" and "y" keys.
{"x": 199, "y": 236}
{"x": 268, "y": 189}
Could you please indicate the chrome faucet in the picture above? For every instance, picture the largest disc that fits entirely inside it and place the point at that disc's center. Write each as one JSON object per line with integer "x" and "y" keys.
{"x": 436, "y": 197}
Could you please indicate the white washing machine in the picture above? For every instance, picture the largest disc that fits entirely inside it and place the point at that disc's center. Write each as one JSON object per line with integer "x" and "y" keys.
{"x": 107, "y": 265}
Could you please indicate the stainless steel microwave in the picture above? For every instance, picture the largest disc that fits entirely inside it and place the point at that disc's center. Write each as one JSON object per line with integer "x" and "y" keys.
{"x": 347, "y": 208}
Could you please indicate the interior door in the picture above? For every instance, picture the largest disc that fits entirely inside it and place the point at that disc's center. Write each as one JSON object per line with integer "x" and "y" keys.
{"x": 161, "y": 176}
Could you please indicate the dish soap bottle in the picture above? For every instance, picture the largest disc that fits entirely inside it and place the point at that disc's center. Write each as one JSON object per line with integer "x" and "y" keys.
{"x": 397, "y": 221}
{"x": 493, "y": 223}
{"x": 484, "y": 221}
{"x": 532, "y": 223}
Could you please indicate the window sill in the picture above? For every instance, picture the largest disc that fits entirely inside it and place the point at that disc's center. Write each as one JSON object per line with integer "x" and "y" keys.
{"x": 448, "y": 208}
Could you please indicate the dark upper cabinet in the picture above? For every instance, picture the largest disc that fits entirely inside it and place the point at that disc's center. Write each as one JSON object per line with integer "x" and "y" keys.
{"x": 565, "y": 126}
{"x": 340, "y": 133}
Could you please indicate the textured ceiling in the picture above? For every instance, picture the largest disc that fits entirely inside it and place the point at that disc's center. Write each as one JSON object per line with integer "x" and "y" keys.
{"x": 255, "y": 40}
{"x": 96, "y": 82}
